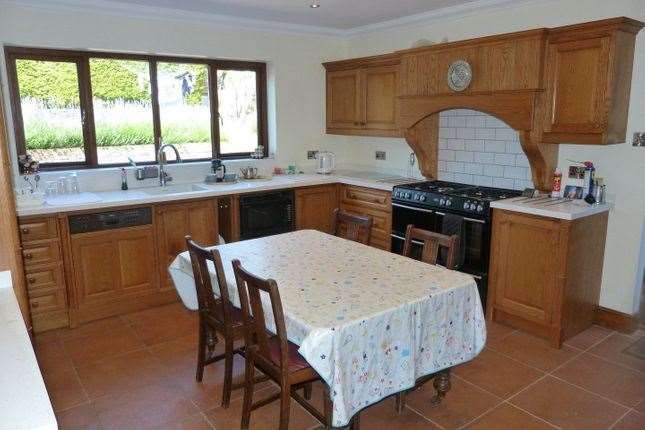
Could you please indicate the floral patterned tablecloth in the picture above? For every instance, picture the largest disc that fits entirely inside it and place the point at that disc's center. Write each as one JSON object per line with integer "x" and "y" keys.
{"x": 369, "y": 321}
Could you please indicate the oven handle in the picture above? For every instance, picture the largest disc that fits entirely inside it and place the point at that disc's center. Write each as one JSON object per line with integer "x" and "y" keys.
{"x": 478, "y": 221}
{"x": 396, "y": 236}
{"x": 412, "y": 208}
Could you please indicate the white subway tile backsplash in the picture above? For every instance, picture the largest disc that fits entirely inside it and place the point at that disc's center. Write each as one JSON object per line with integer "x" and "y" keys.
{"x": 484, "y": 157}
{"x": 506, "y": 134}
{"x": 492, "y": 122}
{"x": 457, "y": 121}
{"x": 505, "y": 159}
{"x": 476, "y": 121}
{"x": 456, "y": 144}
{"x": 474, "y": 145}
{"x": 521, "y": 160}
{"x": 464, "y": 156}
{"x": 493, "y": 170}
{"x": 455, "y": 167}
{"x": 447, "y": 133}
{"x": 446, "y": 176}
{"x": 484, "y": 181}
{"x": 447, "y": 155}
{"x": 514, "y": 148}
{"x": 504, "y": 183}
{"x": 494, "y": 146}
{"x": 463, "y": 178}
{"x": 515, "y": 172}
{"x": 485, "y": 133}
{"x": 466, "y": 133}
{"x": 476, "y": 148}
{"x": 473, "y": 168}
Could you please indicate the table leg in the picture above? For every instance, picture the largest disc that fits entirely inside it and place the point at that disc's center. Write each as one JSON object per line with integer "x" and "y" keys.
{"x": 441, "y": 383}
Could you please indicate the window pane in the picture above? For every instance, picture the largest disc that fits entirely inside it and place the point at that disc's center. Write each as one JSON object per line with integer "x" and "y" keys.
{"x": 122, "y": 110}
{"x": 184, "y": 108}
{"x": 51, "y": 113}
{"x": 237, "y": 96}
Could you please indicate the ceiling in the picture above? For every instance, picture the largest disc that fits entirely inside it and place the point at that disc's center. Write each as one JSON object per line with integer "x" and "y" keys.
{"x": 333, "y": 14}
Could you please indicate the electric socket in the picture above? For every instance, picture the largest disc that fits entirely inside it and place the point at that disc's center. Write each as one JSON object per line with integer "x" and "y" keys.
{"x": 638, "y": 139}
{"x": 311, "y": 155}
{"x": 380, "y": 155}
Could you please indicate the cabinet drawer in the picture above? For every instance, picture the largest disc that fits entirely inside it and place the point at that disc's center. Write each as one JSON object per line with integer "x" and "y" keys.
{"x": 38, "y": 229}
{"x": 380, "y": 219}
{"x": 45, "y": 253}
{"x": 51, "y": 277}
{"x": 366, "y": 197}
{"x": 47, "y": 300}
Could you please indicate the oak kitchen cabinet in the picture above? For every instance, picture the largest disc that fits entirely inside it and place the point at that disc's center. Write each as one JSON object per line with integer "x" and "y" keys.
{"x": 113, "y": 271}
{"x": 373, "y": 203}
{"x": 44, "y": 272}
{"x": 176, "y": 220}
{"x": 588, "y": 79}
{"x": 315, "y": 207}
{"x": 545, "y": 273}
{"x": 361, "y": 97}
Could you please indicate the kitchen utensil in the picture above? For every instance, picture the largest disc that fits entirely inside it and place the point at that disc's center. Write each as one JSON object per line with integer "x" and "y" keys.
{"x": 326, "y": 161}
{"x": 249, "y": 172}
{"x": 219, "y": 169}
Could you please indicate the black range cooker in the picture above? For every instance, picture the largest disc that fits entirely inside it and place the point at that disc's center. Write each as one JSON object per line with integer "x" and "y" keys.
{"x": 426, "y": 204}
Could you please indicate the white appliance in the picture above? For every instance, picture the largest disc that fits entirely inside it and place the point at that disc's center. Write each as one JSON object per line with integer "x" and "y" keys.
{"x": 326, "y": 161}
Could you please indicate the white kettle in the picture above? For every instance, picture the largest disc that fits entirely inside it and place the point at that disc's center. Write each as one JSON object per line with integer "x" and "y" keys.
{"x": 326, "y": 161}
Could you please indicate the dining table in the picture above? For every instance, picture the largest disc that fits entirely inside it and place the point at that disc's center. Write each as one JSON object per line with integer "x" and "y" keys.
{"x": 372, "y": 323}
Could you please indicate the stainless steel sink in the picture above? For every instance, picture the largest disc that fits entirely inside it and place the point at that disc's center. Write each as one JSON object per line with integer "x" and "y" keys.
{"x": 172, "y": 189}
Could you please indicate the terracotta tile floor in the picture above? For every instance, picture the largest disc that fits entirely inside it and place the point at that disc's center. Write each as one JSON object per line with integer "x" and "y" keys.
{"x": 137, "y": 372}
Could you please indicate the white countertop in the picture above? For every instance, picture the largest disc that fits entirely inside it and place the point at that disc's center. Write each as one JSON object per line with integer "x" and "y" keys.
{"x": 179, "y": 191}
{"x": 551, "y": 208}
{"x": 24, "y": 403}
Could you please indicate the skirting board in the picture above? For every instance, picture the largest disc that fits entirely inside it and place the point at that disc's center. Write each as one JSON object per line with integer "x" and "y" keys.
{"x": 615, "y": 320}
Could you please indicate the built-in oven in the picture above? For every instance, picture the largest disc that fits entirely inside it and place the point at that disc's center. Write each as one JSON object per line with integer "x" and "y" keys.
{"x": 266, "y": 214}
{"x": 475, "y": 239}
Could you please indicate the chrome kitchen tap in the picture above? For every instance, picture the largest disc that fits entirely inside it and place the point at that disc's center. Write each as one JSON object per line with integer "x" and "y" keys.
{"x": 161, "y": 156}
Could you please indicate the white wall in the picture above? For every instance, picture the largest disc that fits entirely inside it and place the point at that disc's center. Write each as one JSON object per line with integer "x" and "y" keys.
{"x": 297, "y": 91}
{"x": 622, "y": 165}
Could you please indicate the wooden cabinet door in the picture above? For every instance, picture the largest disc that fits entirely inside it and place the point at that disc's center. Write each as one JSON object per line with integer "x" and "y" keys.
{"x": 315, "y": 207}
{"x": 525, "y": 265}
{"x": 380, "y": 104}
{"x": 175, "y": 221}
{"x": 113, "y": 264}
{"x": 344, "y": 99}
{"x": 577, "y": 92}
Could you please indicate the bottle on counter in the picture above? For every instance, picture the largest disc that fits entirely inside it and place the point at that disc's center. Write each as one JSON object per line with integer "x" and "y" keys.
{"x": 557, "y": 183}
{"x": 124, "y": 179}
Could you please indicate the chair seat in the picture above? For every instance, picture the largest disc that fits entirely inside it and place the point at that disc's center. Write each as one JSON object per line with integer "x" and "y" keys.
{"x": 296, "y": 361}
{"x": 237, "y": 317}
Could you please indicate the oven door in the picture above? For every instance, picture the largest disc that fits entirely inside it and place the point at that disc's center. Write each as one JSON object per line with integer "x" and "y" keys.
{"x": 476, "y": 240}
{"x": 266, "y": 214}
{"x": 402, "y": 216}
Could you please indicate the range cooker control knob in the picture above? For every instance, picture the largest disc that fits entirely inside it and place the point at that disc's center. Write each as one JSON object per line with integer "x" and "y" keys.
{"x": 416, "y": 197}
{"x": 407, "y": 195}
{"x": 442, "y": 202}
{"x": 466, "y": 205}
{"x": 480, "y": 208}
{"x": 448, "y": 202}
{"x": 422, "y": 198}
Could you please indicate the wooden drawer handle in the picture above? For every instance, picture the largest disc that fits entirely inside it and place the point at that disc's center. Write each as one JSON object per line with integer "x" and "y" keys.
{"x": 35, "y": 305}
{"x": 31, "y": 280}
{"x": 25, "y": 230}
{"x": 28, "y": 256}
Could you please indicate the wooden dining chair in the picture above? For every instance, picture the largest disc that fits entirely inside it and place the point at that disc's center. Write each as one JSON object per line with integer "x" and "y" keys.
{"x": 353, "y": 227}
{"x": 432, "y": 243}
{"x": 216, "y": 315}
{"x": 274, "y": 355}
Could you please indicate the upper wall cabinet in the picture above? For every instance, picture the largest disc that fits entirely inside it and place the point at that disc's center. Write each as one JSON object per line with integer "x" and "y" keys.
{"x": 588, "y": 79}
{"x": 362, "y": 96}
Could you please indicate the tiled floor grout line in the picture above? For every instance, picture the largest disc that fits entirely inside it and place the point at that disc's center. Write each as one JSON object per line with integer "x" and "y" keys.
{"x": 619, "y": 419}
{"x": 590, "y": 392}
{"x": 531, "y": 414}
{"x": 424, "y": 417}
{"x": 517, "y": 361}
